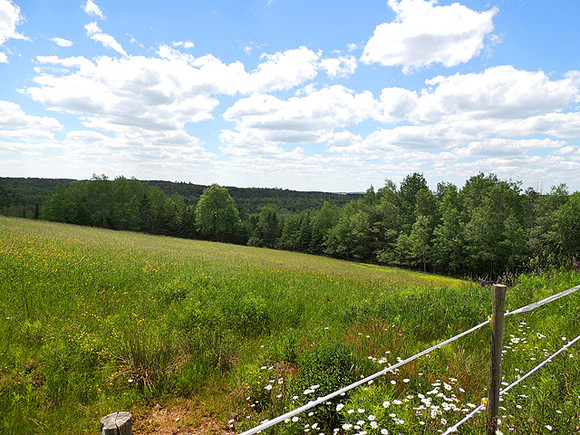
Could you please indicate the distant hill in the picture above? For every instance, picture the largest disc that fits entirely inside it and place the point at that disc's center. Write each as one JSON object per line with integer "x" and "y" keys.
{"x": 22, "y": 196}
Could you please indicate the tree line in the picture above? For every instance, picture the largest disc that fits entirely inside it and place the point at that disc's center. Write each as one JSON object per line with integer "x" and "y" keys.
{"x": 483, "y": 229}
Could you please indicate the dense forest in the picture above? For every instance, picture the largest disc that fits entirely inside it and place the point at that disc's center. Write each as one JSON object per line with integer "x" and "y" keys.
{"x": 23, "y": 197}
{"x": 484, "y": 229}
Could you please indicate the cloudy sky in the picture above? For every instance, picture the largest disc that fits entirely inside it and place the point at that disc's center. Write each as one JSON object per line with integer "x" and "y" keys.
{"x": 306, "y": 95}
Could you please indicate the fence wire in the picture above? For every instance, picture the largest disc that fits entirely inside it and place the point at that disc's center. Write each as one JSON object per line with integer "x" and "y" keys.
{"x": 268, "y": 423}
{"x": 512, "y": 385}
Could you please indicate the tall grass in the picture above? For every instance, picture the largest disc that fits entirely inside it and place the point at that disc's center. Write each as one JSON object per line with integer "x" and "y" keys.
{"x": 95, "y": 321}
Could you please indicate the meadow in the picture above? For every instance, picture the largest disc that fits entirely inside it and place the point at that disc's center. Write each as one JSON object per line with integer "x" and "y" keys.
{"x": 94, "y": 321}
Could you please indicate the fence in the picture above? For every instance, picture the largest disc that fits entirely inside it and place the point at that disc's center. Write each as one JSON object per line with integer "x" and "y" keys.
{"x": 498, "y": 313}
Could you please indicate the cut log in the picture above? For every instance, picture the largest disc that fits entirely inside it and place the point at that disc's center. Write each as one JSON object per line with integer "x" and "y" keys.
{"x": 117, "y": 423}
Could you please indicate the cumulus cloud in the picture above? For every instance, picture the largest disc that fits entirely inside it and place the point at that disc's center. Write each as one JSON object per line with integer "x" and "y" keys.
{"x": 96, "y": 34}
{"x": 92, "y": 9}
{"x": 61, "y": 42}
{"x": 10, "y": 18}
{"x": 341, "y": 66}
{"x": 184, "y": 44}
{"x": 285, "y": 70}
{"x": 301, "y": 119}
{"x": 424, "y": 33}
{"x": 12, "y": 117}
{"x": 498, "y": 92}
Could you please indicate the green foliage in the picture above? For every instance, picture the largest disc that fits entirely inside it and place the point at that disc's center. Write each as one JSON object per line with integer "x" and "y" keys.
{"x": 216, "y": 215}
{"x": 94, "y": 320}
{"x": 485, "y": 229}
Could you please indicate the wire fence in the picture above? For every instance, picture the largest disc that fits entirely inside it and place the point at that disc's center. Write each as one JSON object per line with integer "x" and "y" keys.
{"x": 468, "y": 417}
{"x": 530, "y": 307}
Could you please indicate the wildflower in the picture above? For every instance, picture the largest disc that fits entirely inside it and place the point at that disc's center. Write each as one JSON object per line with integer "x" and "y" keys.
{"x": 268, "y": 387}
{"x": 294, "y": 419}
{"x": 371, "y": 417}
{"x": 548, "y": 427}
{"x": 374, "y": 425}
{"x": 386, "y": 404}
{"x": 384, "y": 432}
{"x": 339, "y": 407}
{"x": 347, "y": 426}
{"x": 361, "y": 410}
{"x": 406, "y": 380}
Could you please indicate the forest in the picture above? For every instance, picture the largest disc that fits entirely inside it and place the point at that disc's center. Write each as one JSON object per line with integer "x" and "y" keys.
{"x": 486, "y": 229}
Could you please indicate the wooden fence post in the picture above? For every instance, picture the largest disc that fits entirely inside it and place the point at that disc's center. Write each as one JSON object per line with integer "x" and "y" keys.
{"x": 494, "y": 384}
{"x": 117, "y": 423}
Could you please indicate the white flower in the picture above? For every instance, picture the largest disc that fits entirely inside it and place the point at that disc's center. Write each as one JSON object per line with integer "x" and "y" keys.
{"x": 361, "y": 410}
{"x": 347, "y": 426}
{"x": 339, "y": 407}
{"x": 386, "y": 404}
{"x": 374, "y": 425}
{"x": 548, "y": 427}
{"x": 295, "y": 419}
{"x": 371, "y": 417}
{"x": 384, "y": 432}
{"x": 406, "y": 380}
{"x": 268, "y": 387}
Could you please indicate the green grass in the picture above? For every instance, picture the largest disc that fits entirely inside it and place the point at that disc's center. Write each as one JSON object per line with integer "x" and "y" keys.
{"x": 95, "y": 321}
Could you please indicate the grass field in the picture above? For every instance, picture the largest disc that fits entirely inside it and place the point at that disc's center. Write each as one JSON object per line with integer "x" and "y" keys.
{"x": 95, "y": 321}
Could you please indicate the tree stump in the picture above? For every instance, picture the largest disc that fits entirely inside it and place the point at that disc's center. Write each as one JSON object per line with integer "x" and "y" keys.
{"x": 117, "y": 423}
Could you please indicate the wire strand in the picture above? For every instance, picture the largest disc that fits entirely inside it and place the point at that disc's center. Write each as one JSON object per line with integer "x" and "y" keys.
{"x": 268, "y": 423}
{"x": 313, "y": 403}
{"x": 512, "y": 385}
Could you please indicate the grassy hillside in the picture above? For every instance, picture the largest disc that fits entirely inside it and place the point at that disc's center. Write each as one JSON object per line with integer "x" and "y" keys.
{"x": 95, "y": 321}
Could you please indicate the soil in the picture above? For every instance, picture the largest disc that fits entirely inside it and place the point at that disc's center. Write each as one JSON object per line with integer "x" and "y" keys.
{"x": 184, "y": 418}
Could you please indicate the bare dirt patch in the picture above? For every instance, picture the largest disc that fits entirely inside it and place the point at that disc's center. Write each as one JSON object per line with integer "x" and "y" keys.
{"x": 184, "y": 418}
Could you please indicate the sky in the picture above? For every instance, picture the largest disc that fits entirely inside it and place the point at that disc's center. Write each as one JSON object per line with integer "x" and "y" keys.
{"x": 319, "y": 95}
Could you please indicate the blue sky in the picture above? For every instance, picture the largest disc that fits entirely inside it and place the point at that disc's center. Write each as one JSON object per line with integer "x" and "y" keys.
{"x": 306, "y": 95}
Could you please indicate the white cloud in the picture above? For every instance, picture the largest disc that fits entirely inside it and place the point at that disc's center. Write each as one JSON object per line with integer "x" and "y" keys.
{"x": 424, "y": 33}
{"x": 501, "y": 92}
{"x": 285, "y": 70}
{"x": 157, "y": 93}
{"x": 61, "y": 42}
{"x": 12, "y": 117}
{"x": 184, "y": 44}
{"x": 300, "y": 119}
{"x": 10, "y": 18}
{"x": 505, "y": 147}
{"x": 396, "y": 105}
{"x": 341, "y": 66}
{"x": 92, "y": 9}
{"x": 96, "y": 34}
